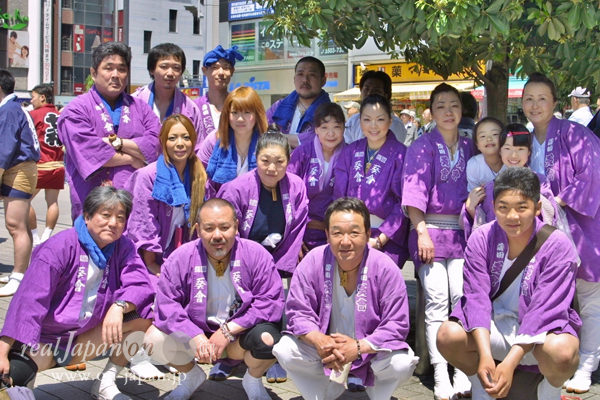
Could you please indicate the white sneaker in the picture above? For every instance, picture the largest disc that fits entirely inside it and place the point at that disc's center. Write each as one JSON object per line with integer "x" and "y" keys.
{"x": 4, "y": 279}
{"x": 187, "y": 387}
{"x": 11, "y": 287}
{"x": 108, "y": 393}
{"x": 254, "y": 388}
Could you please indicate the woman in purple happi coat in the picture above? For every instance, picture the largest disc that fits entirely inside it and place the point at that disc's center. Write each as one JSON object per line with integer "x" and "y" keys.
{"x": 314, "y": 162}
{"x": 167, "y": 195}
{"x": 568, "y": 154}
{"x": 371, "y": 169}
{"x": 435, "y": 188}
{"x": 86, "y": 288}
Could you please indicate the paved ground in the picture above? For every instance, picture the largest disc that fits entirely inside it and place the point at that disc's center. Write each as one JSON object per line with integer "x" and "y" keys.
{"x": 59, "y": 383}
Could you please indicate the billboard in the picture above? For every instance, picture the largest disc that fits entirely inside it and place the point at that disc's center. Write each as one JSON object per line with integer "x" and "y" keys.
{"x": 18, "y": 49}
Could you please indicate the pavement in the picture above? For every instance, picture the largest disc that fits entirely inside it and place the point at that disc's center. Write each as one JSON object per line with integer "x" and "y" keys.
{"x": 58, "y": 383}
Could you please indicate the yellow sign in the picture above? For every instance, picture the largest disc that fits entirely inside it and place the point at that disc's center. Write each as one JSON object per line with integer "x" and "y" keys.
{"x": 401, "y": 72}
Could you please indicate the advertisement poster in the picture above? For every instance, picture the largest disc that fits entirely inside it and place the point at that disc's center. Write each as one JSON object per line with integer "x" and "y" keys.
{"x": 107, "y": 35}
{"x": 18, "y": 49}
{"x": 78, "y": 38}
{"x": 92, "y": 38}
{"x": 244, "y": 36}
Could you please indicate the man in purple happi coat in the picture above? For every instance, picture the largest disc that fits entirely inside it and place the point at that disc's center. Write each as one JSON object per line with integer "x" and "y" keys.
{"x": 166, "y": 63}
{"x": 222, "y": 295}
{"x": 531, "y": 324}
{"x": 347, "y": 312}
{"x": 293, "y": 115}
{"x": 85, "y": 290}
{"x": 107, "y": 133}
{"x": 218, "y": 67}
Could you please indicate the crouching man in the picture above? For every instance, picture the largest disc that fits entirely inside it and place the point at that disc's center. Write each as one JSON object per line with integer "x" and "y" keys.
{"x": 526, "y": 321}
{"x": 218, "y": 296}
{"x": 84, "y": 291}
{"x": 347, "y": 311}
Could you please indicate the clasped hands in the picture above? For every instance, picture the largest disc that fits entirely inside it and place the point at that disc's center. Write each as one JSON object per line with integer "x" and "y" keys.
{"x": 335, "y": 350}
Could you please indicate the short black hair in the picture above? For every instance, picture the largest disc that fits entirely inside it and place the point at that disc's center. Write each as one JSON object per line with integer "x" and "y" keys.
{"x": 111, "y": 49}
{"x": 521, "y": 140}
{"x": 311, "y": 59}
{"x": 442, "y": 88}
{"x": 13, "y": 34}
{"x": 538, "y": 77}
{"x": 106, "y": 196}
{"x": 218, "y": 203}
{"x": 45, "y": 90}
{"x": 328, "y": 110}
{"x": 380, "y": 76}
{"x": 349, "y": 204}
{"x": 470, "y": 108}
{"x": 521, "y": 179}
{"x": 7, "y": 82}
{"x": 273, "y": 138}
{"x": 373, "y": 99}
{"x": 162, "y": 51}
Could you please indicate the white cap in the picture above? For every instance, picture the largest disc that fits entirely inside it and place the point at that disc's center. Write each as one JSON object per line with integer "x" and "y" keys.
{"x": 580, "y": 92}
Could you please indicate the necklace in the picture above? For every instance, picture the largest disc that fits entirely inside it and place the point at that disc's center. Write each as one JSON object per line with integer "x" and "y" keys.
{"x": 273, "y": 191}
{"x": 370, "y": 156}
{"x": 220, "y": 267}
{"x": 451, "y": 148}
{"x": 344, "y": 275}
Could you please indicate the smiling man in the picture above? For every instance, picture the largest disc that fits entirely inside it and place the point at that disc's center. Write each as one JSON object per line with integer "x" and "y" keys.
{"x": 347, "y": 311}
{"x": 294, "y": 114}
{"x": 107, "y": 133}
{"x": 221, "y": 295}
{"x": 527, "y": 321}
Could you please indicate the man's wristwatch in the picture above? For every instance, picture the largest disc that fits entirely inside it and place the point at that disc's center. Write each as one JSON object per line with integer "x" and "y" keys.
{"x": 115, "y": 141}
{"x": 121, "y": 303}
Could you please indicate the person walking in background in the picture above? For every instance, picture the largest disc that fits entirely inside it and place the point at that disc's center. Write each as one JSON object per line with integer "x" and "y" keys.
{"x": 580, "y": 103}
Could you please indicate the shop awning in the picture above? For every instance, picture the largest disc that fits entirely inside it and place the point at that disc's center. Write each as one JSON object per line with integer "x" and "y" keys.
{"x": 406, "y": 91}
{"x": 515, "y": 89}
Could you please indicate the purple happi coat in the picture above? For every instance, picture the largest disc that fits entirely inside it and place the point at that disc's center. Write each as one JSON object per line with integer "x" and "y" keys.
{"x": 308, "y": 163}
{"x": 485, "y": 209}
{"x": 432, "y": 186}
{"x": 206, "y": 123}
{"x": 81, "y": 127}
{"x": 244, "y": 191}
{"x": 182, "y": 288}
{"x": 381, "y": 313}
{"x": 49, "y": 301}
{"x": 182, "y": 104}
{"x": 306, "y": 132}
{"x": 573, "y": 170}
{"x": 547, "y": 284}
{"x": 380, "y": 189}
{"x": 150, "y": 220}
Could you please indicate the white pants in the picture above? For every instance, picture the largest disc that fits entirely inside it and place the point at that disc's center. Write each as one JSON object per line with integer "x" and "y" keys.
{"x": 303, "y": 365}
{"x": 588, "y": 295}
{"x": 500, "y": 347}
{"x": 441, "y": 281}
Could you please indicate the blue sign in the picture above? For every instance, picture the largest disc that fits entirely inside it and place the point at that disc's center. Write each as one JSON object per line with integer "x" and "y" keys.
{"x": 239, "y": 10}
{"x": 264, "y": 85}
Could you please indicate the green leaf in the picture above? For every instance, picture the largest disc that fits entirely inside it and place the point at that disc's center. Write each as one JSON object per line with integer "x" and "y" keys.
{"x": 549, "y": 7}
{"x": 588, "y": 18}
{"x": 552, "y": 35}
{"x": 499, "y": 24}
{"x": 543, "y": 28}
{"x": 573, "y": 17}
{"x": 361, "y": 41}
{"x": 560, "y": 28}
{"x": 495, "y": 7}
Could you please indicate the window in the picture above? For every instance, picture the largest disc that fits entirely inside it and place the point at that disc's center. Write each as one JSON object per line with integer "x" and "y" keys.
{"x": 172, "y": 20}
{"x": 147, "y": 41}
{"x": 196, "y": 24}
{"x": 196, "y": 69}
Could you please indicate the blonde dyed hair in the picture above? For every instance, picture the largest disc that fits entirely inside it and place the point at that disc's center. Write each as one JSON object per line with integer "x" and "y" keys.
{"x": 241, "y": 99}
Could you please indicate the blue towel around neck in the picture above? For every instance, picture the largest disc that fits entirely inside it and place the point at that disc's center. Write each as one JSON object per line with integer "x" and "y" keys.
{"x": 284, "y": 113}
{"x": 115, "y": 114}
{"x": 222, "y": 166}
{"x": 99, "y": 256}
{"x": 169, "y": 189}
{"x": 151, "y": 101}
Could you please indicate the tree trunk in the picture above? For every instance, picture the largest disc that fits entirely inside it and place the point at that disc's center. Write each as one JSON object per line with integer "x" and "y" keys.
{"x": 497, "y": 91}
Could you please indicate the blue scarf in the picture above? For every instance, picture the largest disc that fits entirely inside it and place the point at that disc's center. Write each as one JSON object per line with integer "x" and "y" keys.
{"x": 151, "y": 101}
{"x": 285, "y": 110}
{"x": 115, "y": 114}
{"x": 99, "y": 256}
{"x": 222, "y": 166}
{"x": 169, "y": 189}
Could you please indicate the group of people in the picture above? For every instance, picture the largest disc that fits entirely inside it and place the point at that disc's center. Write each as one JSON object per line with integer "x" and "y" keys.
{"x": 189, "y": 214}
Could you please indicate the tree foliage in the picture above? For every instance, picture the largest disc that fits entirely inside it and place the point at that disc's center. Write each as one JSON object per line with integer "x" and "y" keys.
{"x": 559, "y": 37}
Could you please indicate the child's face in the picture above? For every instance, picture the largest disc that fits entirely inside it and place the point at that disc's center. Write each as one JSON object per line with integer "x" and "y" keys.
{"x": 330, "y": 133}
{"x": 514, "y": 156}
{"x": 487, "y": 138}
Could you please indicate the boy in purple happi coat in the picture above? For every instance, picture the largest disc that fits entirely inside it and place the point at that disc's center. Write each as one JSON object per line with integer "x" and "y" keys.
{"x": 531, "y": 324}
{"x": 222, "y": 295}
{"x": 347, "y": 311}
{"x": 85, "y": 291}
{"x": 107, "y": 133}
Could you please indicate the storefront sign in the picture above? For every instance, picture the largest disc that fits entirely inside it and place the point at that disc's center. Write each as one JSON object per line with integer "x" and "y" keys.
{"x": 192, "y": 93}
{"x": 239, "y": 10}
{"x": 252, "y": 83}
{"x": 47, "y": 42}
{"x": 14, "y": 21}
{"x": 402, "y": 72}
{"x": 78, "y": 38}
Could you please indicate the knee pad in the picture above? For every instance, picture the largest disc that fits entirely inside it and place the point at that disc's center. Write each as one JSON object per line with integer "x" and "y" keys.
{"x": 253, "y": 342}
{"x": 22, "y": 368}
